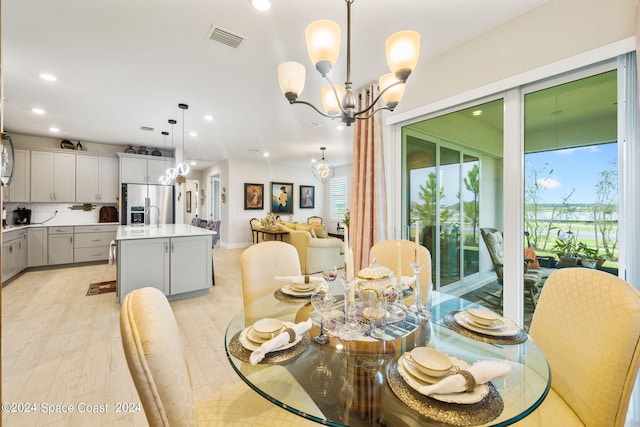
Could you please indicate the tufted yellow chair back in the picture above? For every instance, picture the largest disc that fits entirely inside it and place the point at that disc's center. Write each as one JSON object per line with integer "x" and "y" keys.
{"x": 155, "y": 355}
{"x": 387, "y": 254}
{"x": 259, "y": 265}
{"x": 587, "y": 323}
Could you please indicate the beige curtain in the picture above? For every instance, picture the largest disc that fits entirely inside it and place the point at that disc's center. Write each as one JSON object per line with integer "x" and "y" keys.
{"x": 368, "y": 199}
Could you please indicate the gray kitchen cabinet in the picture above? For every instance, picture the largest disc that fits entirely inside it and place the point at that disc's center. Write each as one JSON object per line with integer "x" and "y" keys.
{"x": 91, "y": 242}
{"x": 53, "y": 177}
{"x": 96, "y": 179}
{"x": 142, "y": 263}
{"x": 190, "y": 264}
{"x": 175, "y": 265}
{"x": 14, "y": 253}
{"x": 60, "y": 245}
{"x": 138, "y": 169}
{"x": 38, "y": 247}
{"x": 19, "y": 188}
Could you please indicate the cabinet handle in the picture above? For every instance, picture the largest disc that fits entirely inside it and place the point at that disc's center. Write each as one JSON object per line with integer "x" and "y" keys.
{"x": 70, "y": 239}
{"x": 60, "y": 229}
{"x": 11, "y": 249}
{"x": 96, "y": 240}
{"x": 172, "y": 247}
{"x": 166, "y": 248}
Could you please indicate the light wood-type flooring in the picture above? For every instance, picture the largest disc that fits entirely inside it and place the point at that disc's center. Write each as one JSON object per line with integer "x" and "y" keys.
{"x": 62, "y": 349}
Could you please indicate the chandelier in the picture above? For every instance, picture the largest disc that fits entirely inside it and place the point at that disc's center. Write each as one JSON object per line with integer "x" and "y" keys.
{"x": 322, "y": 169}
{"x": 323, "y": 47}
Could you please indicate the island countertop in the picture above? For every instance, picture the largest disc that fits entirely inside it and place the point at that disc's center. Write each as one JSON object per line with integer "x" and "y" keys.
{"x": 133, "y": 232}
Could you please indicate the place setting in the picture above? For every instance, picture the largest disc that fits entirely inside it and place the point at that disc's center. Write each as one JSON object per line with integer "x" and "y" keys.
{"x": 446, "y": 388}
{"x": 484, "y": 325}
{"x": 297, "y": 288}
{"x": 270, "y": 340}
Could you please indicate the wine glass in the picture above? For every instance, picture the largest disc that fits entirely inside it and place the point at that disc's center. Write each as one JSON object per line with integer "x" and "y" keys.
{"x": 330, "y": 273}
{"x": 322, "y": 300}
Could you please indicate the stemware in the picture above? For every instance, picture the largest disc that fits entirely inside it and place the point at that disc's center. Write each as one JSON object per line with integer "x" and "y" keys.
{"x": 330, "y": 273}
{"x": 322, "y": 300}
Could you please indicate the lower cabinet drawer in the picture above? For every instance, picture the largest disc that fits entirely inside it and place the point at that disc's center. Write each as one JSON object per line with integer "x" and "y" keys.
{"x": 92, "y": 240}
{"x": 91, "y": 254}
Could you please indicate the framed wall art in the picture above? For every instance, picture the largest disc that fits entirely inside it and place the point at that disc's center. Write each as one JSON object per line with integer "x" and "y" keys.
{"x": 282, "y": 198}
{"x": 307, "y": 197}
{"x": 253, "y": 196}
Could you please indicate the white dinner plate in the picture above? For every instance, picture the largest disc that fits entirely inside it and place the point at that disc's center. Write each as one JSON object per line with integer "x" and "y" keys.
{"x": 463, "y": 398}
{"x": 289, "y": 290}
{"x": 508, "y": 329}
{"x": 497, "y": 324}
{"x": 252, "y": 346}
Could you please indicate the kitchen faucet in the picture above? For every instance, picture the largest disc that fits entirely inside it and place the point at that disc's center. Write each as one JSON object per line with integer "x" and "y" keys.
{"x": 148, "y": 217}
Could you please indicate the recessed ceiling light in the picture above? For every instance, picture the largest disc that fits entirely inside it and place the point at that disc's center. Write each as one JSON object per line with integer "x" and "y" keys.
{"x": 313, "y": 160}
{"x": 192, "y": 163}
{"x": 193, "y": 134}
{"x": 477, "y": 113}
{"x": 208, "y": 117}
{"x": 54, "y": 130}
{"x": 48, "y": 77}
{"x": 36, "y": 110}
{"x": 261, "y": 4}
{"x": 339, "y": 127}
{"x": 265, "y": 154}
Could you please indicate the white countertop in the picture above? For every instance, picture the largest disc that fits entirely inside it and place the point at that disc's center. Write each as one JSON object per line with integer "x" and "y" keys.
{"x": 12, "y": 227}
{"x": 128, "y": 232}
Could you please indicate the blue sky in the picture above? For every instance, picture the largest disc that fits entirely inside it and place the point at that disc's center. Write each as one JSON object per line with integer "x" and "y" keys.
{"x": 577, "y": 168}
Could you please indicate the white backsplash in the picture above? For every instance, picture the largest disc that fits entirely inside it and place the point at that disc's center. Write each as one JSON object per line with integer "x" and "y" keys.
{"x": 45, "y": 211}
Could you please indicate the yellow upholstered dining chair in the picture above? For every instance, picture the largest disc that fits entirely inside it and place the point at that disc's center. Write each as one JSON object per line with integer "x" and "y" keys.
{"x": 155, "y": 355}
{"x": 587, "y": 323}
{"x": 260, "y": 264}
{"x": 387, "y": 255}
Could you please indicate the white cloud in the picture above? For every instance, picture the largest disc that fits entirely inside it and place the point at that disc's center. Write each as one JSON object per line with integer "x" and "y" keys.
{"x": 549, "y": 183}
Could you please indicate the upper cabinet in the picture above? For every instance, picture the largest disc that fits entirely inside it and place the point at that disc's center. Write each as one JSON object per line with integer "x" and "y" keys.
{"x": 139, "y": 169}
{"x": 53, "y": 177}
{"x": 18, "y": 190}
{"x": 96, "y": 179}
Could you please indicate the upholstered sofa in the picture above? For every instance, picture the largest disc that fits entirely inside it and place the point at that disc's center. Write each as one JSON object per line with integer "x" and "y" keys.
{"x": 314, "y": 252}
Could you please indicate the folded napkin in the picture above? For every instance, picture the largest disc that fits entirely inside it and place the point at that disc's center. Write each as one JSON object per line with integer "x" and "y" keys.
{"x": 299, "y": 279}
{"x": 480, "y": 372}
{"x": 278, "y": 341}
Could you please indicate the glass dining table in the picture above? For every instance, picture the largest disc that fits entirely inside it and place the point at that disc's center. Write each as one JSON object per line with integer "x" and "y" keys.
{"x": 356, "y": 381}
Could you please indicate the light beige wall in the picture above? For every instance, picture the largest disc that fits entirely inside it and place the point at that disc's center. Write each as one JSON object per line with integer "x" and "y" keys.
{"x": 557, "y": 30}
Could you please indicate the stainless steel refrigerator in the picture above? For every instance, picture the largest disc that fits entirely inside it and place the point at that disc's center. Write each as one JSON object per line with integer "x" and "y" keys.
{"x": 137, "y": 198}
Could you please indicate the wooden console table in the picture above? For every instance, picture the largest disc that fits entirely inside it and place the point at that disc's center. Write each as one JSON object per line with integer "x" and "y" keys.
{"x": 277, "y": 234}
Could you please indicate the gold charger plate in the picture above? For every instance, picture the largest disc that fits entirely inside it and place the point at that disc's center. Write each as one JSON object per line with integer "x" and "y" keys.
{"x": 517, "y": 337}
{"x": 482, "y": 412}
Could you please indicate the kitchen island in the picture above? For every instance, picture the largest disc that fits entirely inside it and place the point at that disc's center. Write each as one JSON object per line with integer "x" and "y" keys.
{"x": 175, "y": 258}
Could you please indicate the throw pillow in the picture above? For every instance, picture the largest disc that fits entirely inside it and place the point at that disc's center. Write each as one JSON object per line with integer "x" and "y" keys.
{"x": 529, "y": 253}
{"x": 303, "y": 227}
{"x": 291, "y": 225}
{"x": 320, "y": 230}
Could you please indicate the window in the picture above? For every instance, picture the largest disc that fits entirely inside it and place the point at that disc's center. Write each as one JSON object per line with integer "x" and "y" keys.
{"x": 338, "y": 198}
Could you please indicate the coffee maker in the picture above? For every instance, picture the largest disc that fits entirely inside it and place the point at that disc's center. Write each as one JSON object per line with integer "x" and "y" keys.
{"x": 22, "y": 216}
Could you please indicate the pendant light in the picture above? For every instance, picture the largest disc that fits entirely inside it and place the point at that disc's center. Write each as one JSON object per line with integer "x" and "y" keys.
{"x": 322, "y": 169}
{"x": 172, "y": 172}
{"x": 164, "y": 179}
{"x": 182, "y": 168}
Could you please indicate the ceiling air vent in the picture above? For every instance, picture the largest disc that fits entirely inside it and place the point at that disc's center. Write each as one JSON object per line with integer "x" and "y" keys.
{"x": 147, "y": 128}
{"x": 225, "y": 37}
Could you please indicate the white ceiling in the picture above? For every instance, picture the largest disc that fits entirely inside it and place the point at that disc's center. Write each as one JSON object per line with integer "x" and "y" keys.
{"x": 124, "y": 64}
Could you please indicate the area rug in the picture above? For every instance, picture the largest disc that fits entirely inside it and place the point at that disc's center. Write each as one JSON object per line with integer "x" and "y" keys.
{"x": 101, "y": 288}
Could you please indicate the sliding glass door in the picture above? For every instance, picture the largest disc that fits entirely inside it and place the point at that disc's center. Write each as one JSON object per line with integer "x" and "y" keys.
{"x": 444, "y": 159}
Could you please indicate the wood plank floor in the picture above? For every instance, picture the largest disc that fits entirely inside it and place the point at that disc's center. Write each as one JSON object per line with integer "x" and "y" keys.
{"x": 61, "y": 347}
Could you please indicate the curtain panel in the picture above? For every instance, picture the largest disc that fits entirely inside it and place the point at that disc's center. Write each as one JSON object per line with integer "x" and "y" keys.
{"x": 368, "y": 199}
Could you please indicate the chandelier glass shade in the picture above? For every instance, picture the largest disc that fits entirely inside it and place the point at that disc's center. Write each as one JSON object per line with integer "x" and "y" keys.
{"x": 323, "y": 46}
{"x": 322, "y": 169}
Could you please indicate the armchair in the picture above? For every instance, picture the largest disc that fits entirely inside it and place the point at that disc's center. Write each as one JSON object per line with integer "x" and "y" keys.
{"x": 314, "y": 252}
